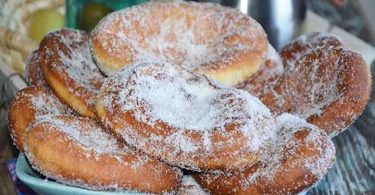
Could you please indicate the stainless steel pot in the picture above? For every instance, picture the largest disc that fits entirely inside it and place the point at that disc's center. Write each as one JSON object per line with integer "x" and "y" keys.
{"x": 281, "y": 19}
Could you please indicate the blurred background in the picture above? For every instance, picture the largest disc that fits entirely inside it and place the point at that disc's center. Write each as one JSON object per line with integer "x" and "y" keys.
{"x": 23, "y": 23}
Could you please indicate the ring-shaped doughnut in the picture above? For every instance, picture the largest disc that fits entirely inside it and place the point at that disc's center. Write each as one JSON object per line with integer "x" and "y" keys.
{"x": 301, "y": 156}
{"x": 26, "y": 106}
{"x": 68, "y": 69}
{"x": 77, "y": 151}
{"x": 220, "y": 42}
{"x": 184, "y": 118}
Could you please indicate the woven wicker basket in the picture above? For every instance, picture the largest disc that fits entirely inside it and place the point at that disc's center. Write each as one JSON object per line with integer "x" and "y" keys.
{"x": 15, "y": 45}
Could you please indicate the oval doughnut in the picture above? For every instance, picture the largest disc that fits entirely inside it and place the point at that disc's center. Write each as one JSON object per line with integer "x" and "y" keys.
{"x": 183, "y": 118}
{"x": 329, "y": 87}
{"x": 303, "y": 44}
{"x": 78, "y": 152}
{"x": 274, "y": 66}
{"x": 68, "y": 68}
{"x": 299, "y": 158}
{"x": 33, "y": 74}
{"x": 27, "y": 105}
{"x": 220, "y": 42}
{"x": 265, "y": 78}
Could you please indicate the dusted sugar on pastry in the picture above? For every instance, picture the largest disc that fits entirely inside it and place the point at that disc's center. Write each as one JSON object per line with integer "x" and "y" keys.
{"x": 300, "y": 157}
{"x": 33, "y": 74}
{"x": 28, "y": 105}
{"x": 326, "y": 83}
{"x": 218, "y": 41}
{"x": 78, "y": 152}
{"x": 190, "y": 187}
{"x": 265, "y": 78}
{"x": 184, "y": 118}
{"x": 68, "y": 68}
{"x": 303, "y": 44}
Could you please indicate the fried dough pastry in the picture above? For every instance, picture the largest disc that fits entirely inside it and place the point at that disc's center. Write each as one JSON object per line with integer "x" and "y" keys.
{"x": 68, "y": 69}
{"x": 184, "y": 118}
{"x": 77, "y": 151}
{"x": 218, "y": 41}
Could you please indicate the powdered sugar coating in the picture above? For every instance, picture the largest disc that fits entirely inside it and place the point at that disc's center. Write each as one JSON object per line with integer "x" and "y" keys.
{"x": 87, "y": 133}
{"x": 69, "y": 70}
{"x": 47, "y": 104}
{"x": 273, "y": 160}
{"x": 312, "y": 59}
{"x": 204, "y": 106}
{"x": 305, "y": 43}
{"x": 266, "y": 78}
{"x": 186, "y": 103}
{"x": 194, "y": 35}
{"x": 323, "y": 82}
{"x": 321, "y": 86}
{"x": 29, "y": 104}
{"x": 190, "y": 187}
{"x": 33, "y": 74}
{"x": 75, "y": 58}
{"x": 274, "y": 57}
{"x": 327, "y": 86}
{"x": 103, "y": 162}
{"x": 289, "y": 125}
{"x": 299, "y": 157}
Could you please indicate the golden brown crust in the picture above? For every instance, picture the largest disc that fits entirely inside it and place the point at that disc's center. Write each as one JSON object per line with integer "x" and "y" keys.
{"x": 67, "y": 67}
{"x": 130, "y": 98}
{"x": 231, "y": 72}
{"x": 323, "y": 82}
{"x": 355, "y": 81}
{"x": 105, "y": 166}
{"x": 303, "y": 159}
{"x": 330, "y": 87}
{"x": 190, "y": 187}
{"x": 356, "y": 85}
{"x": 221, "y": 156}
{"x": 27, "y": 105}
{"x": 265, "y": 78}
{"x": 33, "y": 74}
{"x": 303, "y": 44}
{"x": 220, "y": 42}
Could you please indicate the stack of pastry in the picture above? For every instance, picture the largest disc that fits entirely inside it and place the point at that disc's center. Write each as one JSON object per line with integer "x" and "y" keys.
{"x": 186, "y": 98}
